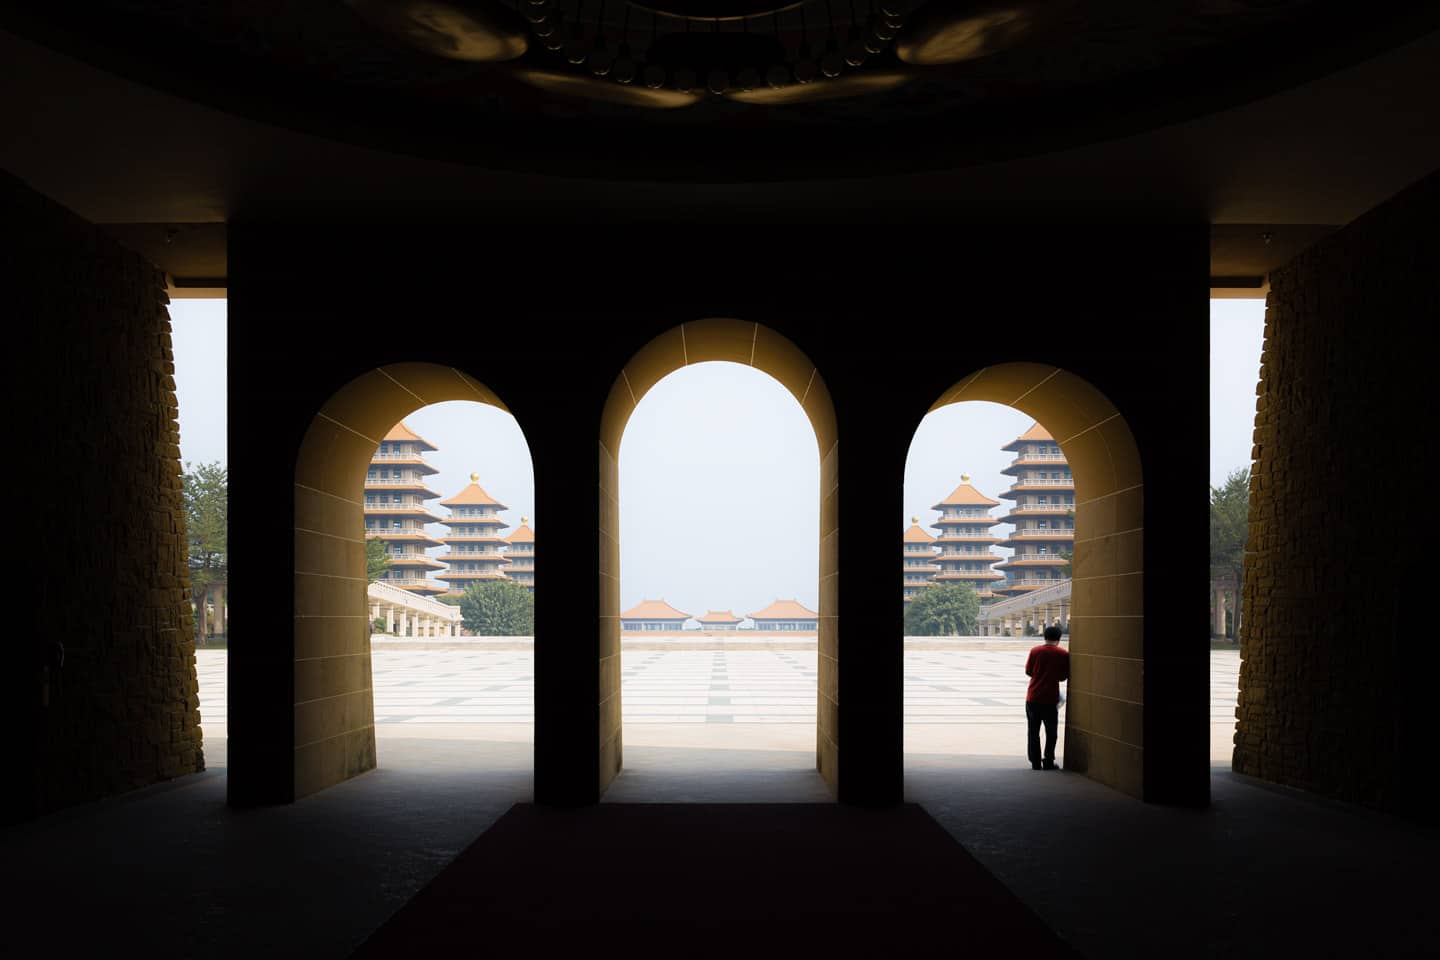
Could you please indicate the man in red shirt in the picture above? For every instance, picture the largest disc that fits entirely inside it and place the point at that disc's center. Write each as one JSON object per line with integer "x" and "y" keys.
{"x": 1047, "y": 666}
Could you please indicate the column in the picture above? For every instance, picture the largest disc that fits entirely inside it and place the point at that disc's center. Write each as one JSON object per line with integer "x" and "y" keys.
{"x": 390, "y": 619}
{"x": 221, "y": 621}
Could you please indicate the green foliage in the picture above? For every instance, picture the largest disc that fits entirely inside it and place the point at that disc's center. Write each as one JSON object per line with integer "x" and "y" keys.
{"x": 378, "y": 624}
{"x": 945, "y": 610}
{"x": 205, "y": 491}
{"x": 1229, "y": 515}
{"x": 498, "y": 608}
{"x": 453, "y": 599}
{"x": 1031, "y": 630}
{"x": 377, "y": 559}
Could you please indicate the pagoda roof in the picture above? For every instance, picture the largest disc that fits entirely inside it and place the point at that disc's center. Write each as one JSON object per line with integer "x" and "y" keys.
{"x": 404, "y": 434}
{"x": 966, "y": 496}
{"x": 916, "y": 535}
{"x": 654, "y": 610}
{"x": 1036, "y": 434}
{"x": 522, "y": 534}
{"x": 785, "y": 610}
{"x": 473, "y": 495}
{"x": 719, "y": 616}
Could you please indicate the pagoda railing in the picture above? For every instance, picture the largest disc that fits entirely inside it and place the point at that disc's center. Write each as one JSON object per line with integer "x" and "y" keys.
{"x": 1037, "y": 457}
{"x": 384, "y": 592}
{"x": 1044, "y": 482}
{"x": 1054, "y": 592}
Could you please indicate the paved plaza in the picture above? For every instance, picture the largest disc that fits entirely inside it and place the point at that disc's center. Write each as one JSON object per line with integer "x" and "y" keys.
{"x": 957, "y": 702}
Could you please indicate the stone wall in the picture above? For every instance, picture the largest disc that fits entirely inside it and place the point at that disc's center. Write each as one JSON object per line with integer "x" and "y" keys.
{"x": 105, "y": 673}
{"x": 1332, "y": 695}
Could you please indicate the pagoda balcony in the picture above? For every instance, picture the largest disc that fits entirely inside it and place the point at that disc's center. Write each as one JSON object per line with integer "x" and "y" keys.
{"x": 402, "y": 485}
{"x": 1025, "y": 458}
{"x": 1047, "y": 482}
{"x": 417, "y": 536}
{"x": 1043, "y": 533}
{"x": 1035, "y": 509}
{"x": 413, "y": 560}
{"x": 412, "y": 583}
{"x": 969, "y": 576}
{"x": 462, "y": 537}
{"x": 401, "y": 509}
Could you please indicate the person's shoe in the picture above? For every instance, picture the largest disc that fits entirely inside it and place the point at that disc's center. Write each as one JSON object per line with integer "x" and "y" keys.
{"x": 1036, "y": 766}
{"x": 1049, "y": 765}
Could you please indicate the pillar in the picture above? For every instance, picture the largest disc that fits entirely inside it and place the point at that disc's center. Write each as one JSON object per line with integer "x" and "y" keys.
{"x": 390, "y": 619}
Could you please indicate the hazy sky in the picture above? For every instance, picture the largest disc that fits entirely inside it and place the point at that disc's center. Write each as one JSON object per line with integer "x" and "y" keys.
{"x": 719, "y": 494}
{"x": 1237, "y": 334}
{"x": 724, "y": 444}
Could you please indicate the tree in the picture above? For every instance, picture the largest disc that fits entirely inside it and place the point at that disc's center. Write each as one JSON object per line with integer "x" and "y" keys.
{"x": 1229, "y": 520}
{"x": 498, "y": 608}
{"x": 205, "y": 491}
{"x": 377, "y": 559}
{"x": 944, "y": 610}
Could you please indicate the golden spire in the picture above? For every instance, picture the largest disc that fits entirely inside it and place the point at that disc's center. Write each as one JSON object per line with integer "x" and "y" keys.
{"x": 474, "y": 478}
{"x": 524, "y": 519}
{"x": 964, "y": 478}
{"x": 914, "y": 519}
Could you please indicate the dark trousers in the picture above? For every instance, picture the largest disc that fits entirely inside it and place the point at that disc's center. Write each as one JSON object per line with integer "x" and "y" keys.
{"x": 1036, "y": 714}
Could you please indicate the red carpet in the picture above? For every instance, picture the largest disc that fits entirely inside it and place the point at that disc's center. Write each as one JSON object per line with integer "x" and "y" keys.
{"x": 741, "y": 880}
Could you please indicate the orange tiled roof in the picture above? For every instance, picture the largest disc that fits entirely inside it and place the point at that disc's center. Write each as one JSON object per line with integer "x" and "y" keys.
{"x": 966, "y": 496}
{"x": 522, "y": 534}
{"x": 404, "y": 433}
{"x": 785, "y": 610}
{"x": 1036, "y": 434}
{"x": 472, "y": 495}
{"x": 916, "y": 535}
{"x": 654, "y": 610}
{"x": 719, "y": 616}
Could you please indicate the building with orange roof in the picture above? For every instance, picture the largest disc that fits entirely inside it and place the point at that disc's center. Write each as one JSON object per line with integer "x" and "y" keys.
{"x": 475, "y": 542}
{"x": 653, "y": 615}
{"x": 920, "y": 568}
{"x": 395, "y": 510}
{"x": 788, "y": 616}
{"x": 965, "y": 539}
{"x": 722, "y": 620}
{"x": 1043, "y": 515}
{"x": 520, "y": 550}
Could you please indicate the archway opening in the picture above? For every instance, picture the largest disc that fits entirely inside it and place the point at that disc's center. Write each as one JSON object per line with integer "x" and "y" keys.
{"x": 984, "y": 581}
{"x": 749, "y": 345}
{"x": 1237, "y": 334}
{"x": 389, "y": 522}
{"x": 198, "y": 345}
{"x": 1067, "y": 428}
{"x": 719, "y": 559}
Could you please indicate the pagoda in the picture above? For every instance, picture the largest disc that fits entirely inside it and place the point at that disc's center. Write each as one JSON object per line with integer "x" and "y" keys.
{"x": 520, "y": 549}
{"x": 965, "y": 539}
{"x": 395, "y": 511}
{"x": 474, "y": 539}
{"x": 919, "y": 561}
{"x": 1043, "y": 515}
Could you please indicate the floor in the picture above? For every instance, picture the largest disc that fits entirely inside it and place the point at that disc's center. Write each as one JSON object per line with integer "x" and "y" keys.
{"x": 171, "y": 868}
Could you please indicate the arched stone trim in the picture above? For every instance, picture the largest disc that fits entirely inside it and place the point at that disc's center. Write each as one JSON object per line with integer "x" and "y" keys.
{"x": 334, "y": 701}
{"x": 1104, "y": 711}
{"x": 762, "y": 348}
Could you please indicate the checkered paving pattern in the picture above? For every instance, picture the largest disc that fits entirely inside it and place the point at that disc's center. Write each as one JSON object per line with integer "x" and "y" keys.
{"x": 942, "y": 687}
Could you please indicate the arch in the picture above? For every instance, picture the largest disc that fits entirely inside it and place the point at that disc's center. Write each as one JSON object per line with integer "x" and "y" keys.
{"x": 333, "y": 702}
{"x": 1104, "y": 711}
{"x": 750, "y": 344}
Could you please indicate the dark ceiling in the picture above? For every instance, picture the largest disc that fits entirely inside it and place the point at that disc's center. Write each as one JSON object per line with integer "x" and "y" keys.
{"x": 1275, "y": 123}
{"x": 957, "y": 82}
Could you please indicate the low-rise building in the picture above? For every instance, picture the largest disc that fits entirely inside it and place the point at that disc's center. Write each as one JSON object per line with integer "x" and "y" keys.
{"x": 652, "y": 616}
{"x": 721, "y": 620}
{"x": 788, "y": 616}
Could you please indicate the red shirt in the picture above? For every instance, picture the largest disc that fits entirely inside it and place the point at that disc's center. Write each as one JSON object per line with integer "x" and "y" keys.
{"x": 1046, "y": 666}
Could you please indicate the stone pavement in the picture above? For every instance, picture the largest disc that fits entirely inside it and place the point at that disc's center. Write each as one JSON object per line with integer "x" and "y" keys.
{"x": 962, "y": 702}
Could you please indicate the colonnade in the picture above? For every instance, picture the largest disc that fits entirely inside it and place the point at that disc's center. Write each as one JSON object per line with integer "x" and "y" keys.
{"x": 409, "y": 614}
{"x": 1040, "y": 608}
